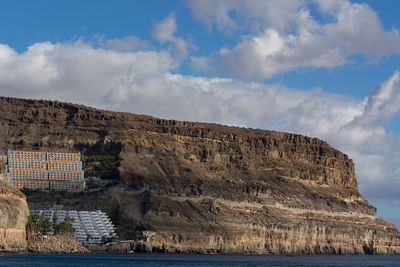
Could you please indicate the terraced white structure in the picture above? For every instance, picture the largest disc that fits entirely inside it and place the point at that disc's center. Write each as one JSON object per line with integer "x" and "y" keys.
{"x": 90, "y": 226}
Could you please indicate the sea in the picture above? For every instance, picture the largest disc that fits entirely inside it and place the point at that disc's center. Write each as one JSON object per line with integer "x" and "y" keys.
{"x": 38, "y": 260}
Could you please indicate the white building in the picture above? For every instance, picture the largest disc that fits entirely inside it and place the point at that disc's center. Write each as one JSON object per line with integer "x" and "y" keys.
{"x": 90, "y": 226}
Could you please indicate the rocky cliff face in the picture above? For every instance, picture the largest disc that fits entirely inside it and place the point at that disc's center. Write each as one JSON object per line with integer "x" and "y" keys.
{"x": 196, "y": 187}
{"x": 13, "y": 218}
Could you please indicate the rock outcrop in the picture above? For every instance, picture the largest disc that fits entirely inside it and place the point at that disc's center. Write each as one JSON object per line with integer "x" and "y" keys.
{"x": 197, "y": 187}
{"x": 13, "y": 218}
{"x": 3, "y": 172}
{"x": 55, "y": 244}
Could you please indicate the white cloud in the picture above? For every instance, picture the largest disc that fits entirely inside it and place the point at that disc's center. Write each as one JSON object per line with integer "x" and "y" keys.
{"x": 382, "y": 104}
{"x": 74, "y": 71}
{"x": 125, "y": 44}
{"x": 165, "y": 32}
{"x": 230, "y": 15}
{"x": 281, "y": 36}
{"x": 6, "y": 53}
{"x": 201, "y": 64}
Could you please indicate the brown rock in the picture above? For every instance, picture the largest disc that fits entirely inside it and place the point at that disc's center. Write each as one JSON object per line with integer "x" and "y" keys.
{"x": 121, "y": 247}
{"x": 204, "y": 187}
{"x": 13, "y": 218}
{"x": 56, "y": 244}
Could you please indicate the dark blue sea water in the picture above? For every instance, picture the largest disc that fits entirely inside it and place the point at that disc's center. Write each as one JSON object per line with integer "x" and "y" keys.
{"x": 192, "y": 260}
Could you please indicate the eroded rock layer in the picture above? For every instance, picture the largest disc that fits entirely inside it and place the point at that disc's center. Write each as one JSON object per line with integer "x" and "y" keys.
{"x": 196, "y": 187}
{"x": 13, "y": 218}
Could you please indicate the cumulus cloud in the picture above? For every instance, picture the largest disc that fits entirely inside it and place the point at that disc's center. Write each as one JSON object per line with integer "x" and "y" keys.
{"x": 202, "y": 64}
{"x": 165, "y": 32}
{"x": 232, "y": 15}
{"x": 72, "y": 71}
{"x": 125, "y": 44}
{"x": 382, "y": 104}
{"x": 282, "y": 35}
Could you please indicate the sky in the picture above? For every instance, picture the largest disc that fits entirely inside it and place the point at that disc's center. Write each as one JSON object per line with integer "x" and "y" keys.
{"x": 323, "y": 68}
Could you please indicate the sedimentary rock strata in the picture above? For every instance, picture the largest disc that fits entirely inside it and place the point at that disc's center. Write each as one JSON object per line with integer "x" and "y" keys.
{"x": 197, "y": 187}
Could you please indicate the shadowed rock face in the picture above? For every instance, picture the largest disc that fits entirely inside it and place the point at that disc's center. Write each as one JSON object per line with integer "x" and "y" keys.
{"x": 197, "y": 187}
{"x": 13, "y": 218}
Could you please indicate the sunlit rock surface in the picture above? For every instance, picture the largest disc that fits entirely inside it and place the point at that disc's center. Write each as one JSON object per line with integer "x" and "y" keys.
{"x": 13, "y": 218}
{"x": 196, "y": 187}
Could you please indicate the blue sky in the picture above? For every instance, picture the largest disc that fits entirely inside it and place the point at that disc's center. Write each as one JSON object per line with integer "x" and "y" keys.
{"x": 324, "y": 68}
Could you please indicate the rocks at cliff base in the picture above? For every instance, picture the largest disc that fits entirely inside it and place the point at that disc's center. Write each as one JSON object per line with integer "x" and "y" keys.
{"x": 57, "y": 244}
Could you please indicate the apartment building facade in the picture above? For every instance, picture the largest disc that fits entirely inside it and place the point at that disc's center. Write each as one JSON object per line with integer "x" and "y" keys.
{"x": 45, "y": 170}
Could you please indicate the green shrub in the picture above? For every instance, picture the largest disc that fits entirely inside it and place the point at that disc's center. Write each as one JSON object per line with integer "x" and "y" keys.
{"x": 65, "y": 227}
{"x": 106, "y": 166}
{"x": 37, "y": 225}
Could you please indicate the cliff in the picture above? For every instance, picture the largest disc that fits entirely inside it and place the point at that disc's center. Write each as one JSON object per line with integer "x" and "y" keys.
{"x": 13, "y": 218}
{"x": 197, "y": 187}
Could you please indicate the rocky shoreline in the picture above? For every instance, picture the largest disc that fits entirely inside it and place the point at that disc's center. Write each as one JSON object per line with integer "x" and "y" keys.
{"x": 56, "y": 244}
{"x": 128, "y": 248}
{"x": 60, "y": 244}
